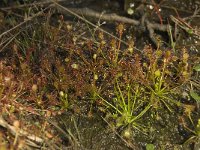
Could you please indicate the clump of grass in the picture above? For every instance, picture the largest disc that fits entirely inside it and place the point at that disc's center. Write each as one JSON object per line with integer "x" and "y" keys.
{"x": 126, "y": 107}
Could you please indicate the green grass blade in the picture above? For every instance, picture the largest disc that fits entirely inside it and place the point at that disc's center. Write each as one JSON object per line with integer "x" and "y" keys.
{"x": 195, "y": 96}
{"x": 141, "y": 113}
{"x": 110, "y": 105}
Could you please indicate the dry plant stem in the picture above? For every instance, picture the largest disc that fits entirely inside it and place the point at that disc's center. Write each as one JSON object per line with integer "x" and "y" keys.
{"x": 69, "y": 135}
{"x": 152, "y": 27}
{"x": 182, "y": 21}
{"x": 25, "y": 21}
{"x": 21, "y": 132}
{"x": 109, "y": 17}
{"x": 8, "y": 41}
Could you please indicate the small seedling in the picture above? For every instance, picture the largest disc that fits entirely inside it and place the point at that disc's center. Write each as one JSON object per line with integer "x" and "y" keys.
{"x": 64, "y": 99}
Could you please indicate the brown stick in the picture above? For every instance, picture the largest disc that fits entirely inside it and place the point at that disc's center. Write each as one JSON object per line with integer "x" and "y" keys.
{"x": 151, "y": 27}
{"x": 21, "y": 132}
{"x": 108, "y": 17}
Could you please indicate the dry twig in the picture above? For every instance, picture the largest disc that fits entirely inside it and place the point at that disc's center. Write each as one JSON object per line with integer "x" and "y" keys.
{"x": 151, "y": 27}
{"x": 20, "y": 132}
{"x": 25, "y": 21}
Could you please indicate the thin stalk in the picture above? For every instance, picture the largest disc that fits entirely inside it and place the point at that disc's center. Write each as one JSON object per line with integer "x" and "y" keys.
{"x": 166, "y": 105}
{"x": 174, "y": 101}
{"x": 111, "y": 105}
{"x": 171, "y": 38}
{"x": 142, "y": 113}
{"x": 122, "y": 97}
{"x": 134, "y": 100}
{"x": 129, "y": 99}
{"x": 118, "y": 49}
{"x": 162, "y": 76}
